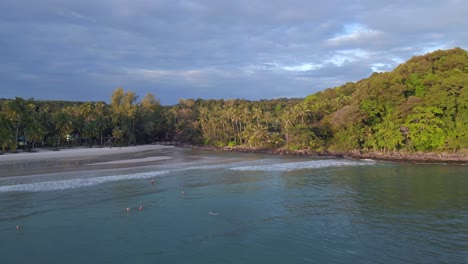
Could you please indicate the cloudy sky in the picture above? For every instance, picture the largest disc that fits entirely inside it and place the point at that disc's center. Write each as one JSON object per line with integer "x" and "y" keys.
{"x": 212, "y": 49}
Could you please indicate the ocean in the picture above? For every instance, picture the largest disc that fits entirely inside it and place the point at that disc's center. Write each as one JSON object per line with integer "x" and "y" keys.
{"x": 215, "y": 207}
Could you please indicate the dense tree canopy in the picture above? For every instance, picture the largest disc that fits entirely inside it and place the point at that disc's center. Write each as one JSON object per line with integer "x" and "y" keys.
{"x": 421, "y": 106}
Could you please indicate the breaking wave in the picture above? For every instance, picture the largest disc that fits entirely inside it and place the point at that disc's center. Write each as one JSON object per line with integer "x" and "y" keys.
{"x": 78, "y": 179}
{"x": 291, "y": 166}
{"x": 75, "y": 183}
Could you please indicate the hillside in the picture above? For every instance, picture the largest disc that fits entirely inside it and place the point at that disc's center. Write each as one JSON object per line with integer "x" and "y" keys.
{"x": 420, "y": 106}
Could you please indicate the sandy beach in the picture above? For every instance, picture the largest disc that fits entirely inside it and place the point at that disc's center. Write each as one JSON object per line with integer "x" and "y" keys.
{"x": 49, "y": 161}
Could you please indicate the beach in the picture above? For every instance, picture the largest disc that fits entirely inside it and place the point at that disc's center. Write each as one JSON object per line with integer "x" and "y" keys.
{"x": 43, "y": 161}
{"x": 46, "y": 161}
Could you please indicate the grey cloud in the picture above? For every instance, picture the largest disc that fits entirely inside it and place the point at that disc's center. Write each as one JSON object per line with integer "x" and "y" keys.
{"x": 252, "y": 49}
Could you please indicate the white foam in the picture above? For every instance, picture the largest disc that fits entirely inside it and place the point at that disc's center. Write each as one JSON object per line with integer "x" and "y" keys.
{"x": 129, "y": 161}
{"x": 71, "y": 180}
{"x": 60, "y": 181}
{"x": 291, "y": 166}
{"x": 228, "y": 165}
{"x": 76, "y": 183}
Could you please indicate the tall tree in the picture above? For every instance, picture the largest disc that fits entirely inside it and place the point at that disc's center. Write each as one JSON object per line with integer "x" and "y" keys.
{"x": 425, "y": 128}
{"x": 124, "y": 113}
{"x": 102, "y": 119}
{"x": 63, "y": 124}
{"x": 148, "y": 118}
{"x": 7, "y": 140}
{"x": 15, "y": 110}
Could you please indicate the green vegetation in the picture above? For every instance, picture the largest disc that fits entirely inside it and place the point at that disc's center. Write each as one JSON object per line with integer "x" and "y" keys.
{"x": 64, "y": 124}
{"x": 421, "y": 106}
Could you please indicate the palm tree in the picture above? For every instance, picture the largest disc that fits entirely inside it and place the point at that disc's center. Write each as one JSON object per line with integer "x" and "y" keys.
{"x": 34, "y": 132}
{"x": 6, "y": 135}
{"x": 117, "y": 133}
{"x": 85, "y": 116}
{"x": 101, "y": 111}
{"x": 90, "y": 130}
{"x": 15, "y": 109}
{"x": 260, "y": 136}
{"x": 302, "y": 111}
{"x": 257, "y": 114}
{"x": 287, "y": 118}
{"x": 63, "y": 124}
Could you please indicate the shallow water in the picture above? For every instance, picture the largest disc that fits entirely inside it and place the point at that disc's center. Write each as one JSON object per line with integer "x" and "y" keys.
{"x": 239, "y": 208}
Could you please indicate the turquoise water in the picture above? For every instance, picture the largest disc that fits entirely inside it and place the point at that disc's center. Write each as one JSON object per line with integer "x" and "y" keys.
{"x": 239, "y": 208}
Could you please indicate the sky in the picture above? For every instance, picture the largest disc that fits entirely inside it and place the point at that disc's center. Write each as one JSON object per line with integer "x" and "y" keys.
{"x": 213, "y": 49}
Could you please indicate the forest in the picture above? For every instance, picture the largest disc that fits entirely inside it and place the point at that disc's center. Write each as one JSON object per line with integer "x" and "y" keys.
{"x": 421, "y": 106}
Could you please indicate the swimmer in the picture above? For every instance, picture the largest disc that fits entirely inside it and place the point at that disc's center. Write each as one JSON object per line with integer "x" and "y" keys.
{"x": 18, "y": 227}
{"x": 140, "y": 208}
{"x": 128, "y": 209}
{"x": 152, "y": 181}
{"x": 182, "y": 193}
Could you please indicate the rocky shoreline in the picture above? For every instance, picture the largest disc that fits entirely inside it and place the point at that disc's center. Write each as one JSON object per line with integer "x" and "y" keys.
{"x": 414, "y": 157}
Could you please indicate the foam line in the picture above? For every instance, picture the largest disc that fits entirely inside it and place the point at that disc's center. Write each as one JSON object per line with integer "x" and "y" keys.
{"x": 76, "y": 183}
{"x": 291, "y": 166}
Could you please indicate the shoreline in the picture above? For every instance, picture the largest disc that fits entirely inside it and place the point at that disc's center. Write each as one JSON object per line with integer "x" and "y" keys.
{"x": 44, "y": 161}
{"x": 40, "y": 154}
{"x": 416, "y": 157}
{"x": 409, "y": 157}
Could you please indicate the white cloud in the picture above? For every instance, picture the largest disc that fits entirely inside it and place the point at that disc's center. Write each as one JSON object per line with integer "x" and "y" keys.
{"x": 303, "y": 67}
{"x": 350, "y": 55}
{"x": 280, "y": 67}
{"x": 354, "y": 33}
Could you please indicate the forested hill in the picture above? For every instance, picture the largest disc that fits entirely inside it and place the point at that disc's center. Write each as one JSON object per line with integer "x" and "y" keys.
{"x": 420, "y": 106}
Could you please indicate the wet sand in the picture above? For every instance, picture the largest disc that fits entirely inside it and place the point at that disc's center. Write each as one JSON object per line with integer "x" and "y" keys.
{"x": 43, "y": 161}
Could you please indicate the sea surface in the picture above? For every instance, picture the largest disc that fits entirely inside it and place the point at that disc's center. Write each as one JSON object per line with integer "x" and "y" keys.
{"x": 212, "y": 207}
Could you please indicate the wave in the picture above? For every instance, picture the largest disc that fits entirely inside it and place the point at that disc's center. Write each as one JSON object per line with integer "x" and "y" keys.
{"x": 72, "y": 180}
{"x": 229, "y": 165}
{"x": 78, "y": 179}
{"x": 291, "y": 166}
{"x": 76, "y": 183}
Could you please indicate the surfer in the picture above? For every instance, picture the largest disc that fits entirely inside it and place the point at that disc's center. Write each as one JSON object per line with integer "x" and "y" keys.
{"x": 128, "y": 209}
{"x": 140, "y": 208}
